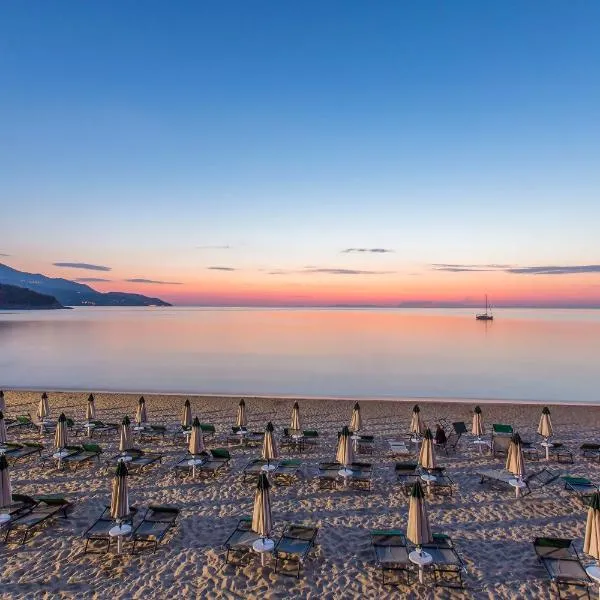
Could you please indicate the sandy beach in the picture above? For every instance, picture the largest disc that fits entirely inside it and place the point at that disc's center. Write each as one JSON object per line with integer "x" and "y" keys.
{"x": 493, "y": 530}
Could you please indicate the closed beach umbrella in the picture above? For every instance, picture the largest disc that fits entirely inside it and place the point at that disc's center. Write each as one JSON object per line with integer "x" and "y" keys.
{"x": 140, "y": 415}
{"x": 242, "y": 419}
{"x": 345, "y": 453}
{"x": 43, "y": 407}
{"x": 545, "y": 426}
{"x": 186, "y": 415}
{"x": 125, "y": 441}
{"x": 515, "y": 463}
{"x": 418, "y": 531}
{"x": 269, "y": 449}
{"x": 295, "y": 422}
{"x": 591, "y": 542}
{"x": 119, "y": 503}
{"x": 416, "y": 424}
{"x": 427, "y": 456}
{"x": 2, "y": 403}
{"x": 3, "y": 437}
{"x": 355, "y": 421}
{"x": 262, "y": 522}
{"x": 477, "y": 428}
{"x": 60, "y": 435}
{"x": 196, "y": 445}
{"x": 5, "y": 487}
{"x": 90, "y": 410}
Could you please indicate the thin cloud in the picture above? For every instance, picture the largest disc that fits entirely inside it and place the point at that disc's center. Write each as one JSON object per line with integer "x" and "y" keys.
{"x": 80, "y": 265}
{"x": 1, "y": 254}
{"x": 141, "y": 280}
{"x": 452, "y": 268}
{"x": 91, "y": 279}
{"x": 555, "y": 270}
{"x": 223, "y": 247}
{"x": 221, "y": 269}
{"x": 329, "y": 271}
{"x": 367, "y": 250}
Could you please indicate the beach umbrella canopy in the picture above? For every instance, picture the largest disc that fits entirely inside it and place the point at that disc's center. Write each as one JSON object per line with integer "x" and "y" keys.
{"x": 2, "y": 402}
{"x": 125, "y": 441}
{"x": 262, "y": 522}
{"x": 477, "y": 428}
{"x": 196, "y": 445}
{"x": 90, "y": 410}
{"x": 427, "y": 455}
{"x": 545, "y": 426}
{"x": 43, "y": 407}
{"x": 3, "y": 437}
{"x": 345, "y": 453}
{"x": 140, "y": 415}
{"x": 591, "y": 542}
{"x": 515, "y": 463}
{"x": 416, "y": 424}
{"x": 295, "y": 422}
{"x": 418, "y": 531}
{"x": 355, "y": 421}
{"x": 242, "y": 419}
{"x": 186, "y": 415}
{"x": 119, "y": 502}
{"x": 60, "y": 435}
{"x": 269, "y": 449}
{"x": 5, "y": 487}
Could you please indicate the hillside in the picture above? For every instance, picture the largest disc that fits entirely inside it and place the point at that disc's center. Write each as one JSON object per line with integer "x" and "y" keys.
{"x": 71, "y": 293}
{"x": 17, "y": 298}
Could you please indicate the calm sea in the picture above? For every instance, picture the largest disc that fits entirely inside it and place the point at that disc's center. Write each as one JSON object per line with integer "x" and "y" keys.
{"x": 539, "y": 355}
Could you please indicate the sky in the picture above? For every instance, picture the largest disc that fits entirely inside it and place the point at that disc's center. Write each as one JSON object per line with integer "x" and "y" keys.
{"x": 304, "y": 153}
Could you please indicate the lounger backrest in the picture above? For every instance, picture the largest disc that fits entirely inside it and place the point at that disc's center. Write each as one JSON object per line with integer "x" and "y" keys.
{"x": 310, "y": 433}
{"x": 92, "y": 448}
{"x": 548, "y": 542}
{"x": 23, "y": 420}
{"x": 207, "y": 427}
{"x": 460, "y": 427}
{"x": 500, "y": 428}
{"x": 220, "y": 453}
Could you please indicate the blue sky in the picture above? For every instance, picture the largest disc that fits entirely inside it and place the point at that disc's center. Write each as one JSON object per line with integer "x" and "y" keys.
{"x": 134, "y": 132}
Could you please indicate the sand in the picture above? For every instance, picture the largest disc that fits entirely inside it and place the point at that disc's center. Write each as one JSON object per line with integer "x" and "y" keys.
{"x": 492, "y": 530}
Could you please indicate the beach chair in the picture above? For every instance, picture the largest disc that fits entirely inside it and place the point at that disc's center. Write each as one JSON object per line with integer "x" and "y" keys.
{"x": 327, "y": 474}
{"x": 208, "y": 430}
{"x": 366, "y": 444}
{"x": 181, "y": 467}
{"x": 45, "y": 509}
{"x": 501, "y": 436}
{"x": 20, "y": 422}
{"x": 286, "y": 440}
{"x": 86, "y": 454}
{"x": 447, "y": 565}
{"x": 239, "y": 543}
{"x": 362, "y": 476}
{"x": 562, "y": 563}
{"x": 391, "y": 554}
{"x": 406, "y": 474}
{"x": 98, "y": 530}
{"x": 293, "y": 547}
{"x": 442, "y": 485}
{"x": 253, "y": 469}
{"x": 218, "y": 459}
{"x": 101, "y": 429}
{"x": 590, "y": 450}
{"x": 581, "y": 486}
{"x": 20, "y": 504}
{"x": 152, "y": 432}
{"x": 530, "y": 451}
{"x": 287, "y": 472}
{"x": 561, "y": 453}
{"x": 23, "y": 451}
{"x": 310, "y": 439}
{"x": 140, "y": 460}
{"x": 156, "y": 523}
{"x": 533, "y": 480}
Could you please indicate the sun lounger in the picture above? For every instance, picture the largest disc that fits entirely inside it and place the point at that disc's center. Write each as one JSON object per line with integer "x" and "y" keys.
{"x": 542, "y": 477}
{"x": 253, "y": 469}
{"x": 406, "y": 473}
{"x": 182, "y": 466}
{"x": 361, "y": 478}
{"x": 310, "y": 439}
{"x": 217, "y": 460}
{"x": 562, "y": 563}
{"x": 366, "y": 444}
{"x": 442, "y": 485}
{"x": 239, "y": 543}
{"x": 501, "y": 436}
{"x": 447, "y": 566}
{"x": 399, "y": 449}
{"x": 46, "y": 508}
{"x": 561, "y": 453}
{"x": 582, "y": 486}
{"x": 86, "y": 454}
{"x": 328, "y": 474}
{"x": 590, "y": 450}
{"x": 19, "y": 505}
{"x": 100, "y": 428}
{"x": 208, "y": 430}
{"x": 151, "y": 432}
{"x": 140, "y": 460}
{"x": 293, "y": 547}
{"x": 21, "y": 421}
{"x": 23, "y": 451}
{"x": 287, "y": 472}
{"x": 98, "y": 530}
{"x": 391, "y": 553}
{"x": 157, "y": 522}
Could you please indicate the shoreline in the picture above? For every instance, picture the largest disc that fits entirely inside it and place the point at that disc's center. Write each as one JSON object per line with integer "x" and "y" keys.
{"x": 279, "y": 397}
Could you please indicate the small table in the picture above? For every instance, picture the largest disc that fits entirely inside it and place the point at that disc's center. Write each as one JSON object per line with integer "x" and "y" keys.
{"x": 194, "y": 462}
{"x": 518, "y": 484}
{"x": 355, "y": 439}
{"x": 268, "y": 467}
{"x": 89, "y": 426}
{"x": 119, "y": 531}
{"x": 125, "y": 458}
{"x": 421, "y": 559}
{"x": 241, "y": 432}
{"x": 547, "y": 445}
{"x": 263, "y": 546}
{"x": 428, "y": 477}
{"x": 480, "y": 443}
{"x": 593, "y": 572}
{"x": 60, "y": 455}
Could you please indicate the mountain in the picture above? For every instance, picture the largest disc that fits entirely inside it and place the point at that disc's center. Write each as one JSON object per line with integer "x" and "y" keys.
{"x": 18, "y": 298}
{"x": 71, "y": 293}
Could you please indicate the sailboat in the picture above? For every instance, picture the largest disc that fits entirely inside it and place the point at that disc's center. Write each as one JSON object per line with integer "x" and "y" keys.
{"x": 487, "y": 315}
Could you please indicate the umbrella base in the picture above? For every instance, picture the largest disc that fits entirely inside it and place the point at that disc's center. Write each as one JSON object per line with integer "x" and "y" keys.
{"x": 268, "y": 468}
{"x": 345, "y": 472}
